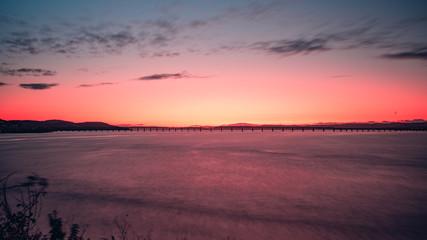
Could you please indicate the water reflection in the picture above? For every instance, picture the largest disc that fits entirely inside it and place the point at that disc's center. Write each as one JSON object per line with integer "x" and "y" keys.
{"x": 242, "y": 185}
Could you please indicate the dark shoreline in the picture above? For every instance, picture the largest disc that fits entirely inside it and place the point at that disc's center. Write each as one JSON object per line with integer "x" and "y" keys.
{"x": 28, "y": 126}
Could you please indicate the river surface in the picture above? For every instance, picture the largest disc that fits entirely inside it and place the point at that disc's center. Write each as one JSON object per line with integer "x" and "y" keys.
{"x": 212, "y": 185}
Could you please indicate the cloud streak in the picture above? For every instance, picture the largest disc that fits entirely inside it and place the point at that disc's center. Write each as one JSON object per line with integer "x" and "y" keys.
{"x": 27, "y": 72}
{"x": 2, "y": 84}
{"x": 292, "y": 47}
{"x": 416, "y": 55}
{"x": 38, "y": 86}
{"x": 96, "y": 84}
{"x": 89, "y": 39}
{"x": 164, "y": 76}
{"x": 149, "y": 37}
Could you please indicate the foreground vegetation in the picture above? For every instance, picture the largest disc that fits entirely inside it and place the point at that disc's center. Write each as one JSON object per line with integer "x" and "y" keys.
{"x": 20, "y": 210}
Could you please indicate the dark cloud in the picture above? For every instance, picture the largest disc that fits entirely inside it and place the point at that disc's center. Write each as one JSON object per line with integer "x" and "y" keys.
{"x": 20, "y": 42}
{"x": 2, "y": 84}
{"x": 165, "y": 54}
{"x": 163, "y": 76}
{"x": 150, "y": 37}
{"x": 292, "y": 47}
{"x": 198, "y": 23}
{"x": 411, "y": 22}
{"x": 27, "y": 72}
{"x": 90, "y": 40}
{"x": 38, "y": 86}
{"x": 164, "y": 24}
{"x": 160, "y": 40}
{"x": 96, "y": 84}
{"x": 417, "y": 55}
{"x": 159, "y": 33}
{"x": 109, "y": 40}
{"x": 72, "y": 41}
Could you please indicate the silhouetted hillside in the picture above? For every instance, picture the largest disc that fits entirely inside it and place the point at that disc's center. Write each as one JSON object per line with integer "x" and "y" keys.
{"x": 28, "y": 126}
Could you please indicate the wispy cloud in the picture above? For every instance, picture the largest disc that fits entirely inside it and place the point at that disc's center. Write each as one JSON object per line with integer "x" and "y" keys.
{"x": 164, "y": 76}
{"x": 292, "y": 47}
{"x": 38, "y": 86}
{"x": 166, "y": 54}
{"x": 27, "y": 72}
{"x": 96, "y": 84}
{"x": 20, "y": 42}
{"x": 150, "y": 37}
{"x": 68, "y": 41}
{"x": 417, "y": 55}
{"x": 91, "y": 39}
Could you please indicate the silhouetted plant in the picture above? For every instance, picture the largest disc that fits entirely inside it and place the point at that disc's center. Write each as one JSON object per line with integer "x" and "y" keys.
{"x": 74, "y": 232}
{"x": 19, "y": 222}
{"x": 55, "y": 223}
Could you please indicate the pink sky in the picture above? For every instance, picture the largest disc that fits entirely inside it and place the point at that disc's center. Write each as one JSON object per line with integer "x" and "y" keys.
{"x": 232, "y": 62}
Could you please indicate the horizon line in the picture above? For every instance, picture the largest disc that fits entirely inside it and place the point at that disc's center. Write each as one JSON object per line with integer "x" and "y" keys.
{"x": 239, "y": 124}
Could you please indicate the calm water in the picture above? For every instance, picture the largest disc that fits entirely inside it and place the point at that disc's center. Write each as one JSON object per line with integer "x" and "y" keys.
{"x": 238, "y": 185}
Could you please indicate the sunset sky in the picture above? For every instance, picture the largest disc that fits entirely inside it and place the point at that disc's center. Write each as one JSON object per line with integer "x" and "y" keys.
{"x": 179, "y": 63}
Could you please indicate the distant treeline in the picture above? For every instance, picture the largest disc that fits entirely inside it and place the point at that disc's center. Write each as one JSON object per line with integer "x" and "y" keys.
{"x": 28, "y": 126}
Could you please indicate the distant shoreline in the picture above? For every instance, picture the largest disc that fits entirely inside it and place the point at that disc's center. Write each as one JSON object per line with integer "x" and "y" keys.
{"x": 29, "y": 126}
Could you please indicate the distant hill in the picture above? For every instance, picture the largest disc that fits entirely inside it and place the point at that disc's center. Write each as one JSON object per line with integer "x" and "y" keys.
{"x": 29, "y": 126}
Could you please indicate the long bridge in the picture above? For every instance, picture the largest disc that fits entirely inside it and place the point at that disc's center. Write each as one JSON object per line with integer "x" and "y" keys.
{"x": 252, "y": 129}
